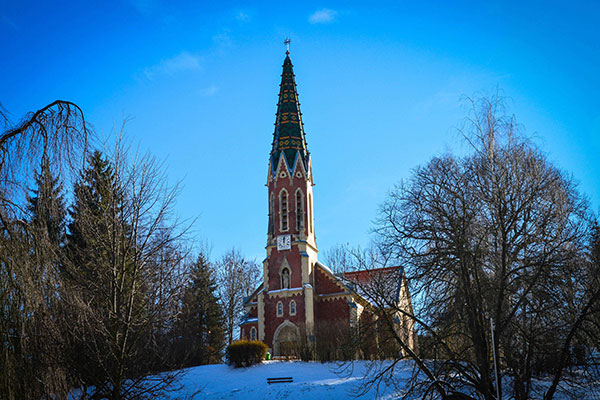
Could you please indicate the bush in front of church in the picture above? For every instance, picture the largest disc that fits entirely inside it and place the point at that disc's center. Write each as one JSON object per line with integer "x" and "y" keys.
{"x": 243, "y": 353}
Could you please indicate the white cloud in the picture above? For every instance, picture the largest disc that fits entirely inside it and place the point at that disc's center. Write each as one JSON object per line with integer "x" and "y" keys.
{"x": 323, "y": 16}
{"x": 182, "y": 62}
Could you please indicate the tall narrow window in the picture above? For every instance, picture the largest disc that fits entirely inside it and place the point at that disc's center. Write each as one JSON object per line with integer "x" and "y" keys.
{"x": 279, "y": 309}
{"x": 253, "y": 333}
{"x": 292, "y": 307}
{"x": 299, "y": 210}
{"x": 271, "y": 228}
{"x": 283, "y": 209}
{"x": 285, "y": 278}
{"x": 310, "y": 213}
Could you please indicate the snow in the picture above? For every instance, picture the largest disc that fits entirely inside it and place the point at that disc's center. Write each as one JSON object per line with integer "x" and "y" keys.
{"x": 326, "y": 268}
{"x": 312, "y": 380}
{"x": 295, "y": 289}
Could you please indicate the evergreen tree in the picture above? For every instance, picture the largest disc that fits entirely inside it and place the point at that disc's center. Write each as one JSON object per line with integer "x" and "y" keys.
{"x": 32, "y": 360}
{"x": 47, "y": 206}
{"x": 200, "y": 326}
{"x": 121, "y": 277}
{"x": 104, "y": 291}
{"x": 95, "y": 201}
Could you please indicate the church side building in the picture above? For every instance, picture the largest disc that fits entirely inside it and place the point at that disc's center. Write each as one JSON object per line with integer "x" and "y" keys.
{"x": 299, "y": 296}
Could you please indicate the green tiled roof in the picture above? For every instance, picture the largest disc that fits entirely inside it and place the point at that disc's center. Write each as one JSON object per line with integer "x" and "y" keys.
{"x": 288, "y": 137}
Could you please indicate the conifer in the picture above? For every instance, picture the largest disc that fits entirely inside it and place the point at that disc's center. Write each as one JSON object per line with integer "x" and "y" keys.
{"x": 201, "y": 322}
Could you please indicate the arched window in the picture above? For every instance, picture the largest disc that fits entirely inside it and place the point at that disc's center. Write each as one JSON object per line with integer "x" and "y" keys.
{"x": 283, "y": 210}
{"x": 253, "y": 333}
{"x": 299, "y": 210}
{"x": 310, "y": 213}
{"x": 292, "y": 307}
{"x": 279, "y": 309}
{"x": 285, "y": 278}
{"x": 271, "y": 227}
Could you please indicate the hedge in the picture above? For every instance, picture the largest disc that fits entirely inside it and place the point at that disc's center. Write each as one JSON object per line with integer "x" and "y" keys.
{"x": 243, "y": 353}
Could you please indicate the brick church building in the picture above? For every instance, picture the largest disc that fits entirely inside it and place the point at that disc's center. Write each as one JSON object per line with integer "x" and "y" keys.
{"x": 299, "y": 295}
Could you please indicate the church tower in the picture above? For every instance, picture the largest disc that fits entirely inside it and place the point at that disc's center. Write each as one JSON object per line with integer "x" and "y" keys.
{"x": 288, "y": 309}
{"x": 301, "y": 301}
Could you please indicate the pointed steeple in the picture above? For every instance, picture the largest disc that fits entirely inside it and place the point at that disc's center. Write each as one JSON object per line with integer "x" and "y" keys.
{"x": 288, "y": 138}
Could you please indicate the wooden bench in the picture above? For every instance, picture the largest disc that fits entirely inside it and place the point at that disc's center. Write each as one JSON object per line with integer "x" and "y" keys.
{"x": 287, "y": 379}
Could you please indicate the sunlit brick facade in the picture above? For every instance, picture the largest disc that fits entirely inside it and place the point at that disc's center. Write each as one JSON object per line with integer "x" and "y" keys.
{"x": 299, "y": 296}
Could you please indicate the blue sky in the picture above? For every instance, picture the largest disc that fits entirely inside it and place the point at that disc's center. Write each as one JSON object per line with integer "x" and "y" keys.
{"x": 380, "y": 88}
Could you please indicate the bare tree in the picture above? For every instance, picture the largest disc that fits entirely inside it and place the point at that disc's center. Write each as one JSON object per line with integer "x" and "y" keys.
{"x": 338, "y": 258}
{"x": 237, "y": 278}
{"x": 496, "y": 235}
{"x": 97, "y": 312}
{"x": 30, "y": 355}
{"x": 123, "y": 276}
{"x": 57, "y": 132}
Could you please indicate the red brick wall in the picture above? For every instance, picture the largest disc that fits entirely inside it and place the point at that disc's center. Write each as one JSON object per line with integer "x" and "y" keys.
{"x": 291, "y": 189}
{"x": 332, "y": 310}
{"x": 294, "y": 260}
{"x": 272, "y": 321}
{"x": 325, "y": 283}
{"x": 245, "y": 330}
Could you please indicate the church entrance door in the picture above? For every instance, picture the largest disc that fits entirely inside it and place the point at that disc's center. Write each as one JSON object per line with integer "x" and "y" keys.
{"x": 286, "y": 340}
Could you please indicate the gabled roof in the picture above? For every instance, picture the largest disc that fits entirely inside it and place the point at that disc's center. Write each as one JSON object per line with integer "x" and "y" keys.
{"x": 371, "y": 285}
{"x": 377, "y": 284}
{"x": 256, "y": 291}
{"x": 288, "y": 138}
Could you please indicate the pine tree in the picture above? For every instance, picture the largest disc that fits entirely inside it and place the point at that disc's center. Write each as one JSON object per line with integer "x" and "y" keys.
{"x": 102, "y": 286}
{"x": 200, "y": 326}
{"x": 95, "y": 199}
{"x": 36, "y": 348}
{"x": 121, "y": 277}
{"x": 47, "y": 205}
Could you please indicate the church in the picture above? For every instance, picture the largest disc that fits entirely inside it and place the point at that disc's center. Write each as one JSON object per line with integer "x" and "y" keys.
{"x": 301, "y": 303}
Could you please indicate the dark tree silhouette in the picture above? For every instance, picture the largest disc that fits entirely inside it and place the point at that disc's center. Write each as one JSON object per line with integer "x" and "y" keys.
{"x": 200, "y": 326}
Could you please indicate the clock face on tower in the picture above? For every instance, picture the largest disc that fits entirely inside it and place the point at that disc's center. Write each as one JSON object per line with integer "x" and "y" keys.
{"x": 284, "y": 242}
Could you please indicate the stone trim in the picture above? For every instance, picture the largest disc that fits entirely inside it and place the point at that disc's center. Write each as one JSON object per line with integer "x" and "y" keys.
{"x": 276, "y": 334}
{"x": 334, "y": 296}
{"x": 285, "y": 292}
{"x": 284, "y": 264}
{"x": 261, "y": 317}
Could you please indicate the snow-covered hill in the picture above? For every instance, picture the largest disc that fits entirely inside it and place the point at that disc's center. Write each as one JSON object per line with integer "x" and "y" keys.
{"x": 312, "y": 380}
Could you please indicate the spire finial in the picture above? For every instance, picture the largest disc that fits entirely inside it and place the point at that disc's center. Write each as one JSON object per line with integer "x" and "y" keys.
{"x": 287, "y": 46}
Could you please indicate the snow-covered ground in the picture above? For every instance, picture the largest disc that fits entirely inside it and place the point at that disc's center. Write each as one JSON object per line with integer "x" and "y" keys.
{"x": 312, "y": 380}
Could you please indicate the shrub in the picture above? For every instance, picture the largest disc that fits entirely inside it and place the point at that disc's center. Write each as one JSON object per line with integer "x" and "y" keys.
{"x": 243, "y": 353}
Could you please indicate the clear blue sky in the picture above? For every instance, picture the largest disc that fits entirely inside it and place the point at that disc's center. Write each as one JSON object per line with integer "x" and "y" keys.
{"x": 380, "y": 89}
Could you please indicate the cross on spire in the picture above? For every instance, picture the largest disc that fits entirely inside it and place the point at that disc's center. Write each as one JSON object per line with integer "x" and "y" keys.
{"x": 288, "y": 137}
{"x": 287, "y": 45}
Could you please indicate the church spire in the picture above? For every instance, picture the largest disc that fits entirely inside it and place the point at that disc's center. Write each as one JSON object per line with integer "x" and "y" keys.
{"x": 288, "y": 138}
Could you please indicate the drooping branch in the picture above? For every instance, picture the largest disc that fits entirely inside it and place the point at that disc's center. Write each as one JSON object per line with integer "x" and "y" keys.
{"x": 57, "y": 132}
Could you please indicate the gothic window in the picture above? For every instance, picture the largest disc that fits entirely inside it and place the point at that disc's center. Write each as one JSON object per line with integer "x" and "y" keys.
{"x": 283, "y": 210}
{"x": 279, "y": 309}
{"x": 310, "y": 214}
{"x": 271, "y": 201}
{"x": 253, "y": 333}
{"x": 292, "y": 307}
{"x": 285, "y": 278}
{"x": 299, "y": 210}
